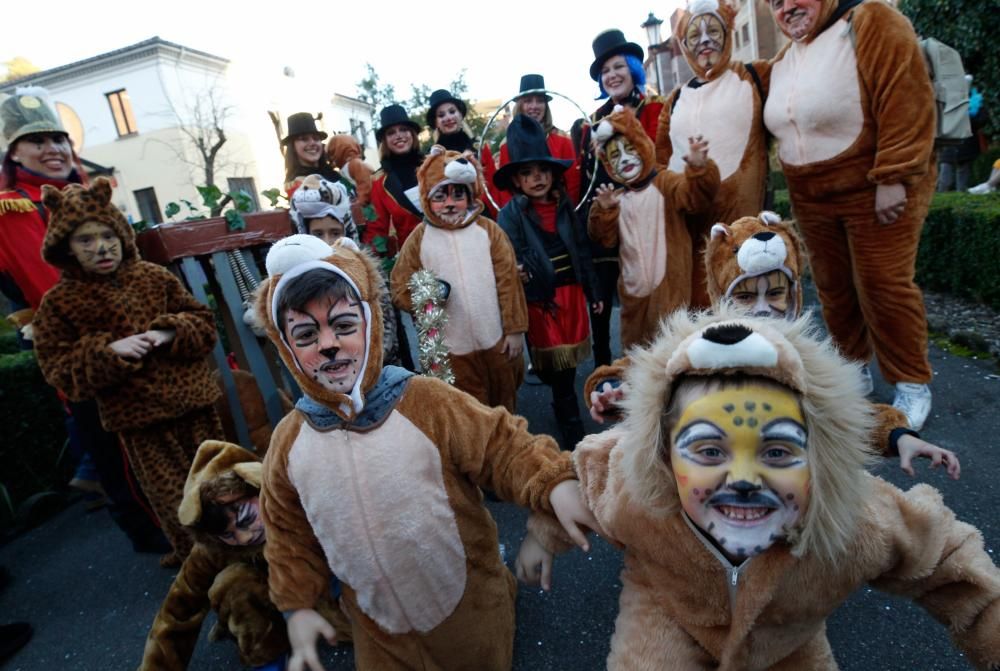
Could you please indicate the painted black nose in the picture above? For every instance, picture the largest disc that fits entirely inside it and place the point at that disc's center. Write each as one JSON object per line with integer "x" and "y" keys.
{"x": 461, "y": 160}
{"x": 763, "y": 237}
{"x": 728, "y": 334}
{"x": 744, "y": 488}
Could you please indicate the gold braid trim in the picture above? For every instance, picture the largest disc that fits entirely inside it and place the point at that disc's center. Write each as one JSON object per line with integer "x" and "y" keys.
{"x": 16, "y": 205}
{"x": 560, "y": 357}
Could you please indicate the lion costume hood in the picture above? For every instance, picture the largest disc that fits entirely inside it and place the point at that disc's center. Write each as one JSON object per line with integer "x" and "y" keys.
{"x": 838, "y": 418}
{"x": 726, "y": 14}
{"x": 622, "y": 121}
{"x": 751, "y": 247}
{"x": 442, "y": 167}
{"x": 290, "y": 258}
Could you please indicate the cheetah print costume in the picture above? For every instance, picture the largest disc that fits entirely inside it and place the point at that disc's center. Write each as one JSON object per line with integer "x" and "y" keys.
{"x": 161, "y": 404}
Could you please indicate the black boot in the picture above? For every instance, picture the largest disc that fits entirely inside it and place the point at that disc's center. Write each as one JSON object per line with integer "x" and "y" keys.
{"x": 567, "y": 412}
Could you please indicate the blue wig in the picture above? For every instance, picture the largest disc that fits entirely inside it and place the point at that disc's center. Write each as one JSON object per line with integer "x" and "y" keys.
{"x": 634, "y": 68}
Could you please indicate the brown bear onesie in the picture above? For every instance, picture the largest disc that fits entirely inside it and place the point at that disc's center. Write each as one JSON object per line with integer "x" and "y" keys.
{"x": 685, "y": 606}
{"x": 162, "y": 404}
{"x": 648, "y": 228}
{"x": 486, "y": 302}
{"x": 724, "y": 105}
{"x": 852, "y": 107}
{"x": 381, "y": 488}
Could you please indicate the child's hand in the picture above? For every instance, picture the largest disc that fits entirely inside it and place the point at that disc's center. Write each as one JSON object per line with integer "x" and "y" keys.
{"x": 603, "y": 401}
{"x": 132, "y": 347}
{"x": 159, "y": 337}
{"x": 513, "y": 345}
{"x": 534, "y": 563}
{"x": 523, "y": 274}
{"x": 911, "y": 447}
{"x": 697, "y": 155}
{"x": 607, "y": 196}
{"x": 303, "y": 628}
{"x": 567, "y": 503}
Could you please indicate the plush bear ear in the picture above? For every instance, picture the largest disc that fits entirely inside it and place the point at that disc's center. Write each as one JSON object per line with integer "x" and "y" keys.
{"x": 51, "y": 197}
{"x": 436, "y": 149}
{"x": 720, "y": 231}
{"x": 102, "y": 190}
{"x": 769, "y": 218}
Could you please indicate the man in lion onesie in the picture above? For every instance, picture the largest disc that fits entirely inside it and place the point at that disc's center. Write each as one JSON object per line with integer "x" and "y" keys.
{"x": 645, "y": 220}
{"x": 853, "y": 110}
{"x": 723, "y": 102}
{"x": 375, "y": 480}
{"x": 486, "y": 308}
{"x": 737, "y": 486}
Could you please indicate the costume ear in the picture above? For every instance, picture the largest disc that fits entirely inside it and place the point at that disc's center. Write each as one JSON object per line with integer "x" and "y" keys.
{"x": 604, "y": 132}
{"x": 435, "y": 150}
{"x": 720, "y": 231}
{"x": 102, "y": 189}
{"x": 51, "y": 197}
{"x": 769, "y": 218}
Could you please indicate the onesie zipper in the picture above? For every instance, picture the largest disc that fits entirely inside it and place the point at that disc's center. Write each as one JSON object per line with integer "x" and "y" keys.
{"x": 732, "y": 572}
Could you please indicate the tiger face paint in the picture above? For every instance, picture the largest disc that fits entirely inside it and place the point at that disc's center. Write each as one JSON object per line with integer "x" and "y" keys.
{"x": 742, "y": 468}
{"x": 767, "y": 295}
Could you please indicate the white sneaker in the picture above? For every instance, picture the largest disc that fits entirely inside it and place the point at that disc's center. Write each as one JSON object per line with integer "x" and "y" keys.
{"x": 915, "y": 401}
{"x": 868, "y": 384}
{"x": 981, "y": 189}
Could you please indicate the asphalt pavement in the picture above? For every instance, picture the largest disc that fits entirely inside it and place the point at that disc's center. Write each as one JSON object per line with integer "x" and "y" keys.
{"x": 91, "y": 600}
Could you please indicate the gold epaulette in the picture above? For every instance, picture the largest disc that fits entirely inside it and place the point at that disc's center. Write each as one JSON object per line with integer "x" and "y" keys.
{"x": 16, "y": 204}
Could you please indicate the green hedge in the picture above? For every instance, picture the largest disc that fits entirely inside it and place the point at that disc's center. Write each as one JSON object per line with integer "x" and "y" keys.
{"x": 34, "y": 431}
{"x": 959, "y": 248}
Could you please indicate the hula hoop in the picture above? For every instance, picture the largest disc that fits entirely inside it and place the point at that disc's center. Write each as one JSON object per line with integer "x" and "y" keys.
{"x": 583, "y": 114}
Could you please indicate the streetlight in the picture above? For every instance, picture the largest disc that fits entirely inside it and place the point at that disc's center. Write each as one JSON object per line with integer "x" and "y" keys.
{"x": 652, "y": 27}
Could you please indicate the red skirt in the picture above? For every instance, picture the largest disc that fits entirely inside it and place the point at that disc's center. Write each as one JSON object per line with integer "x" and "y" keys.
{"x": 559, "y": 336}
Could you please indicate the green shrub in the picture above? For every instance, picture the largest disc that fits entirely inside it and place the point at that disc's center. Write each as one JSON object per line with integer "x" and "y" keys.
{"x": 959, "y": 249}
{"x": 34, "y": 431}
{"x": 983, "y": 165}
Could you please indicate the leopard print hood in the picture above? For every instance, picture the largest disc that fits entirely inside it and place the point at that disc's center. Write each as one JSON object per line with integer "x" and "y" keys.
{"x": 75, "y": 205}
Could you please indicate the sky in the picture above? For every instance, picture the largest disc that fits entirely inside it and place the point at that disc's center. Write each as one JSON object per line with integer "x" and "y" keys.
{"x": 326, "y": 45}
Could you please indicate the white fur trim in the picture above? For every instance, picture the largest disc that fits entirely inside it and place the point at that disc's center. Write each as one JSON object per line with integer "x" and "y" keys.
{"x": 754, "y": 351}
{"x": 696, "y": 7}
{"x": 289, "y": 252}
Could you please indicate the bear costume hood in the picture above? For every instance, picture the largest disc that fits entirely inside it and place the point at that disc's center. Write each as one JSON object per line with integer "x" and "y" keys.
{"x": 297, "y": 254}
{"x": 73, "y": 206}
{"x": 441, "y": 167}
{"x": 726, "y": 14}
{"x": 751, "y": 247}
{"x": 831, "y": 394}
{"x": 213, "y": 459}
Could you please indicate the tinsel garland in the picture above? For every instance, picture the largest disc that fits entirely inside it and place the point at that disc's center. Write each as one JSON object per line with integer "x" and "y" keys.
{"x": 429, "y": 316}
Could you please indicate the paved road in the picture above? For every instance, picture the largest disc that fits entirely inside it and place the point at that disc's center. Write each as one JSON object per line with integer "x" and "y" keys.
{"x": 91, "y": 600}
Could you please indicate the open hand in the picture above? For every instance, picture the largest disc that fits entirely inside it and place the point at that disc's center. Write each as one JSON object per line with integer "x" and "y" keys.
{"x": 132, "y": 347}
{"x": 911, "y": 447}
{"x": 607, "y": 196}
{"x": 533, "y": 565}
{"x": 697, "y": 155}
{"x": 604, "y": 401}
{"x": 890, "y": 201}
{"x": 303, "y": 628}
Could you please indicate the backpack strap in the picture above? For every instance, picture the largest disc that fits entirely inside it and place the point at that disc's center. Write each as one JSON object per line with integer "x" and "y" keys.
{"x": 757, "y": 82}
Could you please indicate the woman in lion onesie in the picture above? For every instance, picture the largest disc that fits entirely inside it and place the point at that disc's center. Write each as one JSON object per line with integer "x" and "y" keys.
{"x": 645, "y": 220}
{"x": 737, "y": 486}
{"x": 724, "y": 103}
{"x": 853, "y": 110}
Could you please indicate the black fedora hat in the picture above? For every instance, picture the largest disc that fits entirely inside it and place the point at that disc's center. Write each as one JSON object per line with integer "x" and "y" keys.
{"x": 439, "y": 98}
{"x": 532, "y": 83}
{"x": 394, "y": 115}
{"x": 301, "y": 123}
{"x": 526, "y": 143}
{"x": 609, "y": 43}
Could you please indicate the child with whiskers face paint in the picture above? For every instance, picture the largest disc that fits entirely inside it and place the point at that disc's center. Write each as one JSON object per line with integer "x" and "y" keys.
{"x": 737, "y": 487}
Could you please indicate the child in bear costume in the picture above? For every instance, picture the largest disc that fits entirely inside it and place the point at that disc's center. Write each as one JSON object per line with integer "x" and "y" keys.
{"x": 723, "y": 102}
{"x": 487, "y": 312}
{"x": 127, "y": 332}
{"x": 376, "y": 477}
{"x": 853, "y": 110}
{"x": 737, "y": 487}
{"x": 225, "y": 571}
{"x": 755, "y": 263}
{"x": 645, "y": 220}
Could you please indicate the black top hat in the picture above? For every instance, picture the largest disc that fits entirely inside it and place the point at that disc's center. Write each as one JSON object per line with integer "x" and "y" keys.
{"x": 533, "y": 82}
{"x": 394, "y": 115}
{"x": 439, "y": 98}
{"x": 301, "y": 123}
{"x": 526, "y": 143}
{"x": 608, "y": 44}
